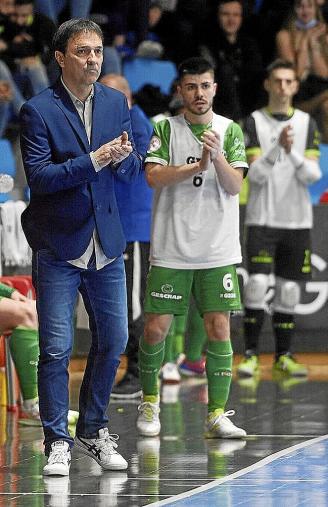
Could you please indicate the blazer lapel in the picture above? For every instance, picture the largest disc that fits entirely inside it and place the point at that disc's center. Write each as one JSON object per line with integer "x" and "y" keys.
{"x": 65, "y": 103}
{"x": 98, "y": 117}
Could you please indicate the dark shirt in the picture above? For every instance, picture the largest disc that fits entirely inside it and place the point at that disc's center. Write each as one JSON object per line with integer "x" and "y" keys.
{"x": 238, "y": 72}
{"x": 41, "y": 30}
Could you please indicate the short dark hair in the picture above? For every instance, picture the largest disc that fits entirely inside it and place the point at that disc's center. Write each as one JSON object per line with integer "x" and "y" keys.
{"x": 72, "y": 27}
{"x": 194, "y": 65}
{"x": 279, "y": 63}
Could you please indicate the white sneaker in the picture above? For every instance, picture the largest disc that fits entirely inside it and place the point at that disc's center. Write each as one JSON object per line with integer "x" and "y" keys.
{"x": 218, "y": 425}
{"x": 103, "y": 450}
{"x": 59, "y": 460}
{"x": 170, "y": 373}
{"x": 148, "y": 423}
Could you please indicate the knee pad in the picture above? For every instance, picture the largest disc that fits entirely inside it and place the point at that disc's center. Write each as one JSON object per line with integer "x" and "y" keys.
{"x": 255, "y": 290}
{"x": 287, "y": 296}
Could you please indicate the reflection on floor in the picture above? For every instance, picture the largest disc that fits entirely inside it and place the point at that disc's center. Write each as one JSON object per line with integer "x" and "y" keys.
{"x": 276, "y": 413}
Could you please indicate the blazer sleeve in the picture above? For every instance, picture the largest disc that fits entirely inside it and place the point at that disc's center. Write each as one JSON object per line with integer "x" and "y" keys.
{"x": 130, "y": 167}
{"x": 43, "y": 175}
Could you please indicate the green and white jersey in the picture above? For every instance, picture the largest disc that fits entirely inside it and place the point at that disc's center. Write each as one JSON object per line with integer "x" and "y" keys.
{"x": 195, "y": 223}
{"x": 278, "y": 193}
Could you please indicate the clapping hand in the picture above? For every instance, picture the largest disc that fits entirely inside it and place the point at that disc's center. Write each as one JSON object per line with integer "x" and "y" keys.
{"x": 114, "y": 151}
{"x": 212, "y": 143}
{"x": 286, "y": 138}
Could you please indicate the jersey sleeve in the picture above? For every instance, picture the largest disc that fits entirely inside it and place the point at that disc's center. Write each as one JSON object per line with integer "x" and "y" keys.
{"x": 313, "y": 140}
{"x": 252, "y": 142}
{"x": 234, "y": 147}
{"x": 158, "y": 151}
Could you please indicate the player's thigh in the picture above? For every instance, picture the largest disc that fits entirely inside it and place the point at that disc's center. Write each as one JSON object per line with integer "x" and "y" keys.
{"x": 168, "y": 290}
{"x": 293, "y": 258}
{"x": 216, "y": 289}
{"x": 261, "y": 245}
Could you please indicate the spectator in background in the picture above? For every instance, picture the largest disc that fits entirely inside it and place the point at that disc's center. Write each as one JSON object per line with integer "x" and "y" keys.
{"x": 53, "y": 8}
{"x": 262, "y": 20}
{"x": 30, "y": 47}
{"x": 282, "y": 149}
{"x": 237, "y": 62}
{"x": 11, "y": 98}
{"x": 119, "y": 17}
{"x": 304, "y": 41}
{"x": 134, "y": 206}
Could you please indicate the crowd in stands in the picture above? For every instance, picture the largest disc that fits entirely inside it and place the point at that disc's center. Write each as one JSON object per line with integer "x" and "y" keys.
{"x": 240, "y": 37}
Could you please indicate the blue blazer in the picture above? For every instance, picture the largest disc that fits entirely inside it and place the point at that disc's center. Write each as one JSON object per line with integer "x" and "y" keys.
{"x": 69, "y": 199}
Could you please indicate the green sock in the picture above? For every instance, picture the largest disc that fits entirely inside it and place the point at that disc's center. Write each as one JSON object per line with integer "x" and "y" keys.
{"x": 180, "y": 329}
{"x": 24, "y": 349}
{"x": 150, "y": 361}
{"x": 219, "y": 373}
{"x": 169, "y": 344}
{"x": 196, "y": 335}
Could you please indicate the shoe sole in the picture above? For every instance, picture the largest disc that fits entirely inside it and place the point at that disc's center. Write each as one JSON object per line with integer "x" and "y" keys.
{"x": 288, "y": 374}
{"x": 131, "y": 396}
{"x": 55, "y": 472}
{"x": 208, "y": 434}
{"x": 187, "y": 373}
{"x": 148, "y": 434}
{"x": 247, "y": 374}
{"x": 105, "y": 467}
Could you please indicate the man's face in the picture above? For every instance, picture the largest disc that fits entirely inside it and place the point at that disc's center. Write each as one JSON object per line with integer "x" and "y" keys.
{"x": 197, "y": 92}
{"x": 281, "y": 85}
{"x": 230, "y": 17}
{"x": 22, "y": 14}
{"x": 7, "y": 7}
{"x": 82, "y": 60}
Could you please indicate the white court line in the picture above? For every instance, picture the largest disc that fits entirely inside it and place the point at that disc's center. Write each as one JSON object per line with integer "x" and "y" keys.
{"x": 251, "y": 468}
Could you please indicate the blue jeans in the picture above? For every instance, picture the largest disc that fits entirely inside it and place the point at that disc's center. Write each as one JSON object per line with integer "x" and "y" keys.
{"x": 104, "y": 293}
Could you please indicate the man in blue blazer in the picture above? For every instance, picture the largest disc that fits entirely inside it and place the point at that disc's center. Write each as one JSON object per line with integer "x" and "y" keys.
{"x": 76, "y": 140}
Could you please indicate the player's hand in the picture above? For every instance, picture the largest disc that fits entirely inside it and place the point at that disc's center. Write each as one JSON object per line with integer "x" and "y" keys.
{"x": 286, "y": 138}
{"x": 212, "y": 143}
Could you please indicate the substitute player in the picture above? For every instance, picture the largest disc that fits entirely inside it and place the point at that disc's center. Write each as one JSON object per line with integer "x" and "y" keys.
{"x": 196, "y": 162}
{"x": 282, "y": 149}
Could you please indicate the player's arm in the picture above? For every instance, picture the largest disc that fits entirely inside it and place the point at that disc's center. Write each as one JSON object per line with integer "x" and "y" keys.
{"x": 260, "y": 164}
{"x": 230, "y": 178}
{"x": 230, "y": 162}
{"x": 159, "y": 176}
{"x": 307, "y": 168}
{"x": 159, "y": 172}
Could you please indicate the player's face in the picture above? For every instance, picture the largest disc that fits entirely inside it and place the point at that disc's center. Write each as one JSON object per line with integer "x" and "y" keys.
{"x": 281, "y": 84}
{"x": 230, "y": 16}
{"x": 305, "y": 10}
{"x": 81, "y": 62}
{"x": 197, "y": 92}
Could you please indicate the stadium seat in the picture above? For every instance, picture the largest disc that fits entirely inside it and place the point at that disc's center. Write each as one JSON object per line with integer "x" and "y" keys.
{"x": 7, "y": 163}
{"x": 140, "y": 71}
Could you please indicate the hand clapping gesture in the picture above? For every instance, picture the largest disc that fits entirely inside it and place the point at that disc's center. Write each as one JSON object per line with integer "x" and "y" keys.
{"x": 114, "y": 151}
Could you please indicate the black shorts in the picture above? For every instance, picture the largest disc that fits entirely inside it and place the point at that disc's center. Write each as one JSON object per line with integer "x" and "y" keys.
{"x": 284, "y": 252}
